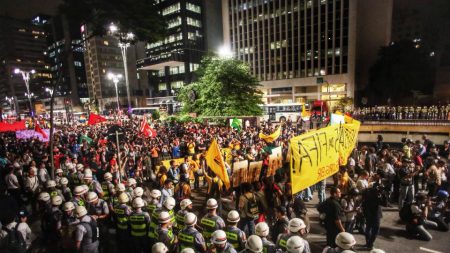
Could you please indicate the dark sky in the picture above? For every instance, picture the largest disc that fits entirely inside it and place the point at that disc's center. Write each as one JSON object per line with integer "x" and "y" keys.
{"x": 27, "y": 8}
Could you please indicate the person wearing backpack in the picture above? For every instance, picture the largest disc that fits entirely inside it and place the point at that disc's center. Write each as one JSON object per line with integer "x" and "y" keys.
{"x": 416, "y": 218}
{"x": 86, "y": 232}
{"x": 14, "y": 235}
{"x": 249, "y": 208}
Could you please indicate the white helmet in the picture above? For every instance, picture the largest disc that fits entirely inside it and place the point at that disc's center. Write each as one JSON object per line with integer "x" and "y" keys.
{"x": 164, "y": 217}
{"x": 296, "y": 224}
{"x": 44, "y": 196}
{"x": 79, "y": 190}
{"x": 131, "y": 182}
{"x": 56, "y": 200}
{"x": 185, "y": 203}
{"x": 262, "y": 229}
{"x": 87, "y": 174}
{"x": 138, "y": 192}
{"x": 219, "y": 237}
{"x": 295, "y": 244}
{"x": 233, "y": 216}
{"x": 159, "y": 247}
{"x": 345, "y": 240}
{"x": 155, "y": 193}
{"x": 81, "y": 211}
{"x": 138, "y": 202}
{"x": 50, "y": 184}
{"x": 64, "y": 181}
{"x": 107, "y": 176}
{"x": 123, "y": 198}
{"x": 254, "y": 244}
{"x": 211, "y": 204}
{"x": 190, "y": 219}
{"x": 377, "y": 251}
{"x": 59, "y": 171}
{"x": 68, "y": 206}
{"x": 169, "y": 203}
{"x": 92, "y": 196}
{"x": 80, "y": 167}
{"x": 120, "y": 187}
{"x": 351, "y": 251}
{"x": 187, "y": 250}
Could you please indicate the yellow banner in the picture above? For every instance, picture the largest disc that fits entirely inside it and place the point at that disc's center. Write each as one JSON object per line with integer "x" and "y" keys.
{"x": 178, "y": 161}
{"x": 215, "y": 161}
{"x": 316, "y": 155}
{"x": 271, "y": 137}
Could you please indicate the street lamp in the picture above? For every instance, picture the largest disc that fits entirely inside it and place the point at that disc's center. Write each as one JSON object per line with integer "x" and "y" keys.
{"x": 115, "y": 78}
{"x": 225, "y": 52}
{"x": 49, "y": 91}
{"x": 26, "y": 79}
{"x": 11, "y": 103}
{"x": 125, "y": 40}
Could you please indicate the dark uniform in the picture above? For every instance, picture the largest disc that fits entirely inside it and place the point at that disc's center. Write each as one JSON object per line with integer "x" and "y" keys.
{"x": 282, "y": 240}
{"x": 167, "y": 237}
{"x": 179, "y": 218}
{"x": 210, "y": 224}
{"x": 235, "y": 237}
{"x": 153, "y": 226}
{"x": 77, "y": 201}
{"x": 227, "y": 249}
{"x": 122, "y": 213}
{"x": 268, "y": 246}
{"x": 189, "y": 237}
{"x": 138, "y": 224}
{"x": 86, "y": 232}
{"x": 107, "y": 188}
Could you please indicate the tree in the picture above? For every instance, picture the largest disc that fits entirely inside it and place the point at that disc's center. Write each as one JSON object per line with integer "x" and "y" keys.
{"x": 401, "y": 69}
{"x": 138, "y": 16}
{"x": 345, "y": 103}
{"x": 225, "y": 88}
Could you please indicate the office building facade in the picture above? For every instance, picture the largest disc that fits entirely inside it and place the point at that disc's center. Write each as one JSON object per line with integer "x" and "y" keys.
{"x": 300, "y": 50}
{"x": 191, "y": 31}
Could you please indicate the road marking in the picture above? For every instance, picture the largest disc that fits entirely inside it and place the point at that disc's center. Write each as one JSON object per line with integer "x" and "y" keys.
{"x": 430, "y": 250}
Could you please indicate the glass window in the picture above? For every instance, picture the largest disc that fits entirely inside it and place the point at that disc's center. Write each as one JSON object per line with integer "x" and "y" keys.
{"x": 176, "y": 85}
{"x": 194, "y": 22}
{"x": 193, "y": 7}
{"x": 162, "y": 86}
{"x": 171, "y": 9}
{"x": 174, "y": 22}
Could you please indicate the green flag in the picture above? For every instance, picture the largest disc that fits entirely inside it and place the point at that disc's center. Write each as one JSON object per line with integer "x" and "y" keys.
{"x": 236, "y": 124}
{"x": 84, "y": 137}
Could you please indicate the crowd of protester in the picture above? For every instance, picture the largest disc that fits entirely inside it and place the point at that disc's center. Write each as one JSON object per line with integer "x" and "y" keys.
{"x": 111, "y": 193}
{"x": 435, "y": 112}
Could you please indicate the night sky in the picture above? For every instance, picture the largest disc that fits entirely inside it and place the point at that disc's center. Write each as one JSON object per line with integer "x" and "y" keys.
{"x": 25, "y": 9}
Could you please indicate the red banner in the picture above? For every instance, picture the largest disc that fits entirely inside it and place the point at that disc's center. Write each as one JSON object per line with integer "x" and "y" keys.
{"x": 15, "y": 126}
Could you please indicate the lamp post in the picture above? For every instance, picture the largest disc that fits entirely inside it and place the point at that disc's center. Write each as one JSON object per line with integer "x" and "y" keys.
{"x": 11, "y": 103}
{"x": 125, "y": 40}
{"x": 115, "y": 79}
{"x": 26, "y": 79}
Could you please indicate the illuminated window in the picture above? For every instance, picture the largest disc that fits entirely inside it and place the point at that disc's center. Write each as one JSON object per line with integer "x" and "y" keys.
{"x": 194, "y": 22}
{"x": 193, "y": 8}
{"x": 176, "y": 85}
{"x": 174, "y": 22}
{"x": 18, "y": 60}
{"x": 77, "y": 63}
{"x": 162, "y": 86}
{"x": 106, "y": 43}
{"x": 22, "y": 30}
{"x": 193, "y": 66}
{"x": 171, "y": 9}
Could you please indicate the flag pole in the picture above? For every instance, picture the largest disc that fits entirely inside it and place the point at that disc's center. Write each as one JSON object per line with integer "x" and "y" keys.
{"x": 118, "y": 156}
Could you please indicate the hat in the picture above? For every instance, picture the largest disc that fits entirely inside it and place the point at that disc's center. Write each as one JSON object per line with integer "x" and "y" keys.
{"x": 23, "y": 213}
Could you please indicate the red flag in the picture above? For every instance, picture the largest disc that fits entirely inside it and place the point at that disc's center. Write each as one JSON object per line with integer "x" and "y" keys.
{"x": 15, "y": 126}
{"x": 38, "y": 129}
{"x": 94, "y": 119}
{"x": 147, "y": 130}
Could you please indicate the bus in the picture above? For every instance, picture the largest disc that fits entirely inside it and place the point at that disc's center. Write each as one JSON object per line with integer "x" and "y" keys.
{"x": 141, "y": 111}
{"x": 281, "y": 112}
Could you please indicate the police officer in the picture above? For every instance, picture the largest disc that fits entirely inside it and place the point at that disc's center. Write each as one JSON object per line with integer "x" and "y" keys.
{"x": 44, "y": 202}
{"x": 77, "y": 175}
{"x": 190, "y": 237}
{"x": 107, "y": 186}
{"x": 86, "y": 233}
{"x": 137, "y": 193}
{"x": 68, "y": 222}
{"x": 295, "y": 244}
{"x": 99, "y": 210}
{"x": 253, "y": 245}
{"x": 235, "y": 236}
{"x": 94, "y": 185}
{"x": 262, "y": 230}
{"x": 51, "y": 189}
{"x": 65, "y": 190}
{"x": 131, "y": 185}
{"x": 120, "y": 188}
{"x": 78, "y": 195}
{"x": 159, "y": 247}
{"x": 154, "y": 203}
{"x": 121, "y": 213}
{"x": 53, "y": 220}
{"x": 211, "y": 221}
{"x": 165, "y": 232}
{"x": 296, "y": 226}
{"x": 219, "y": 243}
{"x": 344, "y": 241}
{"x": 186, "y": 206}
{"x": 138, "y": 223}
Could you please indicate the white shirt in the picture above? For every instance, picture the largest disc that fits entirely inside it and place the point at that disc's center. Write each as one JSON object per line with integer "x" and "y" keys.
{"x": 12, "y": 182}
{"x": 32, "y": 183}
{"x": 43, "y": 176}
{"x": 25, "y": 230}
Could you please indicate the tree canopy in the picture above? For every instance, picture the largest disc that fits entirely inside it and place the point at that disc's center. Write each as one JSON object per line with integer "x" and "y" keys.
{"x": 402, "y": 70}
{"x": 225, "y": 88}
{"x": 138, "y": 16}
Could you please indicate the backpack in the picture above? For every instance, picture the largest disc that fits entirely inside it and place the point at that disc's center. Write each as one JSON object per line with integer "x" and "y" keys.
{"x": 14, "y": 241}
{"x": 252, "y": 207}
{"x": 405, "y": 213}
{"x": 93, "y": 227}
{"x": 322, "y": 207}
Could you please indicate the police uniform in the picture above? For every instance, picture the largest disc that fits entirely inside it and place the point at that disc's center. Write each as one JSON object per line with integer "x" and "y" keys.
{"x": 210, "y": 224}
{"x": 76, "y": 178}
{"x": 166, "y": 236}
{"x": 235, "y": 237}
{"x": 227, "y": 249}
{"x": 107, "y": 188}
{"x": 179, "y": 218}
{"x": 268, "y": 246}
{"x": 56, "y": 192}
{"x": 189, "y": 237}
{"x": 68, "y": 226}
{"x": 139, "y": 221}
{"x": 85, "y": 233}
{"x": 96, "y": 187}
{"x": 152, "y": 206}
{"x": 122, "y": 213}
{"x": 153, "y": 226}
{"x": 282, "y": 240}
{"x": 77, "y": 201}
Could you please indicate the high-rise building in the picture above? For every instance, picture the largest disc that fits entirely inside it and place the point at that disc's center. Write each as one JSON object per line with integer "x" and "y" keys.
{"x": 102, "y": 56}
{"x": 23, "y": 45}
{"x": 193, "y": 28}
{"x": 303, "y": 50}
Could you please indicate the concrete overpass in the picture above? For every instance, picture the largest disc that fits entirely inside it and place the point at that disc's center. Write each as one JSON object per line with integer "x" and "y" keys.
{"x": 394, "y": 131}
